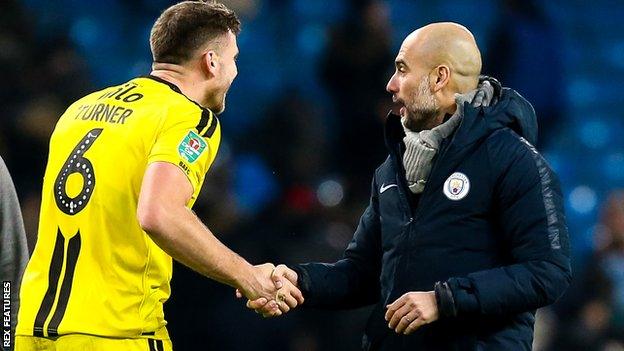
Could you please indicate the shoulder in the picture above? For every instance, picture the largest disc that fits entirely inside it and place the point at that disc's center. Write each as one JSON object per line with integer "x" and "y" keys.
{"x": 4, "y": 172}
{"x": 7, "y": 189}
{"x": 506, "y": 144}
{"x": 385, "y": 168}
{"x": 513, "y": 156}
{"x": 506, "y": 138}
{"x": 179, "y": 109}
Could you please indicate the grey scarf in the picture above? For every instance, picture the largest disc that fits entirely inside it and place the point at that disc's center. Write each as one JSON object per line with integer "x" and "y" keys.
{"x": 421, "y": 147}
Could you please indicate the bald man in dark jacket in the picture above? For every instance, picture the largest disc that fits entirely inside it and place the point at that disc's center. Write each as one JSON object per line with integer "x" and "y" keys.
{"x": 464, "y": 236}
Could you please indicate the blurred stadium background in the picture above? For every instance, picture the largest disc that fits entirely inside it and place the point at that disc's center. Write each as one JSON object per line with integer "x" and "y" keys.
{"x": 303, "y": 134}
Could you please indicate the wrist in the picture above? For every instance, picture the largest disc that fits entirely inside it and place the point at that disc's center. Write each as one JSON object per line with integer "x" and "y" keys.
{"x": 245, "y": 278}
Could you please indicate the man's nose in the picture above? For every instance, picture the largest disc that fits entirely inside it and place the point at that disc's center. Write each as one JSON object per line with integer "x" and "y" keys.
{"x": 392, "y": 86}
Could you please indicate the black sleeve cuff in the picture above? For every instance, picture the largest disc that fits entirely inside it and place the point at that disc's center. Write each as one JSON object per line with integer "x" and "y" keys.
{"x": 464, "y": 295}
{"x": 303, "y": 280}
{"x": 445, "y": 300}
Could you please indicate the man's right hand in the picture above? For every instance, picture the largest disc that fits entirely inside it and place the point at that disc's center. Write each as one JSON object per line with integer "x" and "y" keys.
{"x": 287, "y": 295}
{"x": 259, "y": 286}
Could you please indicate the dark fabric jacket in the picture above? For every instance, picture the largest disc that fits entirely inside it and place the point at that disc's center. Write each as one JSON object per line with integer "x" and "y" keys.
{"x": 503, "y": 247}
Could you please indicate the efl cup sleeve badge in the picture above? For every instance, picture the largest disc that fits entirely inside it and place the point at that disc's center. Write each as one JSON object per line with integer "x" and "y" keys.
{"x": 192, "y": 146}
{"x": 456, "y": 186}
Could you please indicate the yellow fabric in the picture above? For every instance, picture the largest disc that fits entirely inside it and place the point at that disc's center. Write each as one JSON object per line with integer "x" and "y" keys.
{"x": 79, "y": 342}
{"x": 94, "y": 270}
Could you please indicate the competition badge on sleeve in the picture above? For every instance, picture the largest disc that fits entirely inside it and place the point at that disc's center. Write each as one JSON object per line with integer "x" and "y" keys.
{"x": 192, "y": 147}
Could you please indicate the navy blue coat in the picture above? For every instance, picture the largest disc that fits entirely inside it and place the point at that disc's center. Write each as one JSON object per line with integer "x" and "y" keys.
{"x": 497, "y": 236}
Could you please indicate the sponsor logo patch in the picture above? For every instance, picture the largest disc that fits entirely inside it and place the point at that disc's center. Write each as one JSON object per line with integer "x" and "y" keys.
{"x": 457, "y": 186}
{"x": 385, "y": 187}
{"x": 192, "y": 147}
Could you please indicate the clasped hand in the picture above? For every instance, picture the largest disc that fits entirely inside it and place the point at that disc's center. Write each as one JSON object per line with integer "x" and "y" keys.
{"x": 279, "y": 294}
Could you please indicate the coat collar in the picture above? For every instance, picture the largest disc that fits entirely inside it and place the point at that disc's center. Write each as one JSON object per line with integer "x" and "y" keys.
{"x": 477, "y": 124}
{"x": 393, "y": 131}
{"x": 462, "y": 142}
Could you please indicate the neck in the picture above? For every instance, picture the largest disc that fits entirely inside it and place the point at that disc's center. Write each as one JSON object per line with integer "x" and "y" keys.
{"x": 439, "y": 118}
{"x": 186, "y": 80}
{"x": 446, "y": 106}
{"x": 450, "y": 110}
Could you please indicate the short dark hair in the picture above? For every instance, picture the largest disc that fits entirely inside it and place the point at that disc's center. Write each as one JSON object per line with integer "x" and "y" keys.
{"x": 184, "y": 28}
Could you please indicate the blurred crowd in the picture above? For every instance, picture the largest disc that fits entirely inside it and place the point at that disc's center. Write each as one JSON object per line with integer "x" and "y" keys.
{"x": 302, "y": 136}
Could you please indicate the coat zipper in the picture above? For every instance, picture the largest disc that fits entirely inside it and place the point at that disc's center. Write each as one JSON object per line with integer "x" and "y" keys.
{"x": 413, "y": 212}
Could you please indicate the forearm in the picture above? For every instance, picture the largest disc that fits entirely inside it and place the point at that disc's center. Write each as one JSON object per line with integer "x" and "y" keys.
{"x": 185, "y": 238}
{"x": 339, "y": 285}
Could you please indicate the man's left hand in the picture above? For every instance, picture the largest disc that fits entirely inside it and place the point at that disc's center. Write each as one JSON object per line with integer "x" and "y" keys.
{"x": 411, "y": 311}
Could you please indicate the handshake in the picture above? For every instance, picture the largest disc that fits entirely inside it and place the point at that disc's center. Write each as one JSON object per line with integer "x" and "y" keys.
{"x": 271, "y": 291}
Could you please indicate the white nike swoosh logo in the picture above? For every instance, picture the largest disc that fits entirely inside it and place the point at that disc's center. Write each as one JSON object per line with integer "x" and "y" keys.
{"x": 386, "y": 187}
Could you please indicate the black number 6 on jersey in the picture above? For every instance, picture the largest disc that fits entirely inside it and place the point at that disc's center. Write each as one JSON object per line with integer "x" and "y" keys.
{"x": 76, "y": 163}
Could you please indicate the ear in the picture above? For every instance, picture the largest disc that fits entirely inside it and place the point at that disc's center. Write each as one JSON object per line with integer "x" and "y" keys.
{"x": 210, "y": 62}
{"x": 441, "y": 77}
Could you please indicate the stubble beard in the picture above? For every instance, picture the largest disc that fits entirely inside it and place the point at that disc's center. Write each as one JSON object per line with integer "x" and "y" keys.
{"x": 422, "y": 110}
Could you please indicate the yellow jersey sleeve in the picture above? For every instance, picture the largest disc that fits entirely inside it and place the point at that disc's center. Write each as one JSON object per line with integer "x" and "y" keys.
{"x": 190, "y": 142}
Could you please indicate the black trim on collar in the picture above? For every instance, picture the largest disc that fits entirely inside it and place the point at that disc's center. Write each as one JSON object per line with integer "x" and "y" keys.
{"x": 393, "y": 130}
{"x": 168, "y": 83}
{"x": 177, "y": 90}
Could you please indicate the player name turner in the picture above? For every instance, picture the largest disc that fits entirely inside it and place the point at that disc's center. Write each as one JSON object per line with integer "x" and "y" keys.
{"x": 104, "y": 112}
{"x": 111, "y": 113}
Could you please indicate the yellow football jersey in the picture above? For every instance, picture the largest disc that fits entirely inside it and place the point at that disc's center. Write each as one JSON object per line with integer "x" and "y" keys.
{"x": 94, "y": 270}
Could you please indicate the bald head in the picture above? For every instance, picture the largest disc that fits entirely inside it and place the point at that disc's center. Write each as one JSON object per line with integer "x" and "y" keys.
{"x": 450, "y": 44}
{"x": 435, "y": 62}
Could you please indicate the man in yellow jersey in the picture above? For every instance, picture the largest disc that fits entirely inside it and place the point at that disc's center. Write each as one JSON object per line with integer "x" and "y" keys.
{"x": 126, "y": 164}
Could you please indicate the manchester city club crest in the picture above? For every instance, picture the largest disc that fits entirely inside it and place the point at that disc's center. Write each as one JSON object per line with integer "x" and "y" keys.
{"x": 456, "y": 186}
